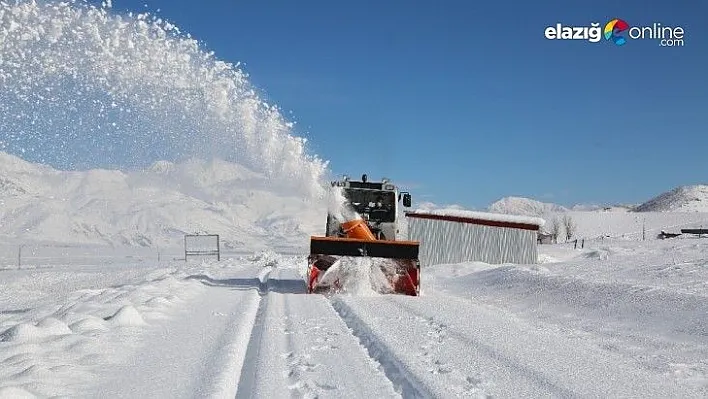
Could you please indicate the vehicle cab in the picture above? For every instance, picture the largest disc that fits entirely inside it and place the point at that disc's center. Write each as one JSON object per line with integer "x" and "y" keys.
{"x": 376, "y": 202}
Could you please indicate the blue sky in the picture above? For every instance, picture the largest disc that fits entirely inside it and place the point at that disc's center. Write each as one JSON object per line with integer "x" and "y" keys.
{"x": 466, "y": 102}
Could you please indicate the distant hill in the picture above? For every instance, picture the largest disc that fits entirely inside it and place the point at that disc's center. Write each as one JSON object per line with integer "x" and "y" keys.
{"x": 431, "y": 205}
{"x": 158, "y": 205}
{"x": 617, "y": 221}
{"x": 680, "y": 199}
{"x": 152, "y": 207}
{"x": 605, "y": 208}
{"x": 524, "y": 206}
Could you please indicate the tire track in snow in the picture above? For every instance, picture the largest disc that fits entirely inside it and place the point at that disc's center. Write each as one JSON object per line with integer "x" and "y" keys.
{"x": 406, "y": 383}
{"x": 554, "y": 362}
{"x": 247, "y": 377}
{"x": 232, "y": 353}
{"x": 271, "y": 346}
{"x": 440, "y": 332}
{"x": 299, "y": 363}
{"x": 424, "y": 353}
{"x": 301, "y": 348}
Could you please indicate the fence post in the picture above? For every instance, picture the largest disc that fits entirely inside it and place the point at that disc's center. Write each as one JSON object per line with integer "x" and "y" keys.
{"x": 644, "y": 230}
{"x": 19, "y": 255}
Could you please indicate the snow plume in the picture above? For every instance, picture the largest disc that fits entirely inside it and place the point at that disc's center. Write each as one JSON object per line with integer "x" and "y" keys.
{"x": 85, "y": 87}
{"x": 339, "y": 207}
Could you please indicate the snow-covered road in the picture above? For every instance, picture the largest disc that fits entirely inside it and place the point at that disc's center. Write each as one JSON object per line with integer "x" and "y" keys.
{"x": 245, "y": 328}
{"x": 300, "y": 346}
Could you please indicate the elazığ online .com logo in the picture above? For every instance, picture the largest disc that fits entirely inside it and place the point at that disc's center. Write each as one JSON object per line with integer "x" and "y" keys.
{"x": 618, "y": 31}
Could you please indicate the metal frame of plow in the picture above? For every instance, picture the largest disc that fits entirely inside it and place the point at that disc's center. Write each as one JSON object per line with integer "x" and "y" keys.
{"x": 357, "y": 247}
{"x": 201, "y": 251}
{"x": 406, "y": 278}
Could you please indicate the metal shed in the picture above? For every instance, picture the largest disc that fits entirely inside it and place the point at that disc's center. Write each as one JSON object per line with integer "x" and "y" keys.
{"x": 454, "y": 236}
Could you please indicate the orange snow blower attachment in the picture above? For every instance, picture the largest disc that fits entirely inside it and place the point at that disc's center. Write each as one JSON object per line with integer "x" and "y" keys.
{"x": 397, "y": 260}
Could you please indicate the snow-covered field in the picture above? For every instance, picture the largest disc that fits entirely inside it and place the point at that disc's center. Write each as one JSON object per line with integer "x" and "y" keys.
{"x": 627, "y": 318}
{"x": 593, "y": 225}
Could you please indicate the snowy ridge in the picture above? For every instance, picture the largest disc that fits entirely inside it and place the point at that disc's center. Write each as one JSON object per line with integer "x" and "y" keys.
{"x": 523, "y": 206}
{"x": 427, "y": 205}
{"x": 681, "y": 199}
{"x": 152, "y": 207}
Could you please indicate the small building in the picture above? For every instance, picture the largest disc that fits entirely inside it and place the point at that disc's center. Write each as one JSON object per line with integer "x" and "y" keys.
{"x": 454, "y": 236}
{"x": 545, "y": 238}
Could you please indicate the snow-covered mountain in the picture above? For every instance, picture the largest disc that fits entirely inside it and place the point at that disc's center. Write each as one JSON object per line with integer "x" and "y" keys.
{"x": 152, "y": 207}
{"x": 427, "y": 206}
{"x": 667, "y": 212}
{"x": 158, "y": 205}
{"x": 524, "y": 206}
{"x": 681, "y": 199}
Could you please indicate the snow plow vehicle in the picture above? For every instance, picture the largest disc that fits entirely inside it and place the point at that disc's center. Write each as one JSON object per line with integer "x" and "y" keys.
{"x": 364, "y": 224}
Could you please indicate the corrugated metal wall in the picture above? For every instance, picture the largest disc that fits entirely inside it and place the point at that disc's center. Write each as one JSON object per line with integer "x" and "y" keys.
{"x": 453, "y": 242}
